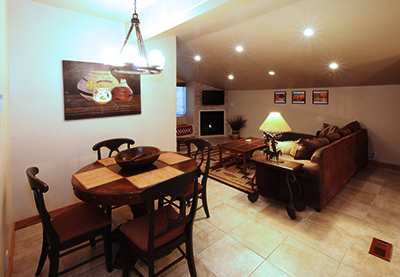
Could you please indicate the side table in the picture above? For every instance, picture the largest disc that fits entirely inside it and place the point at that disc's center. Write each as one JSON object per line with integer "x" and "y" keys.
{"x": 264, "y": 182}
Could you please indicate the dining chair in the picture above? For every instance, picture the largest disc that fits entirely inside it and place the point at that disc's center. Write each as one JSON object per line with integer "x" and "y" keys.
{"x": 202, "y": 156}
{"x": 113, "y": 145}
{"x": 66, "y": 232}
{"x": 160, "y": 231}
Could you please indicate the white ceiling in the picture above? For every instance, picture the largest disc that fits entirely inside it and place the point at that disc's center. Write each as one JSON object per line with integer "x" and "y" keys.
{"x": 362, "y": 36}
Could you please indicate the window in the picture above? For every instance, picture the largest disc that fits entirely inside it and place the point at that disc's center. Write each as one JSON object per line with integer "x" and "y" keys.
{"x": 180, "y": 99}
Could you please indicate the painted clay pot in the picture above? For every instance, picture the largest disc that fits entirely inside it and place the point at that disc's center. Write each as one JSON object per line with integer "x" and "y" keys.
{"x": 96, "y": 79}
{"x": 122, "y": 93}
{"x": 102, "y": 95}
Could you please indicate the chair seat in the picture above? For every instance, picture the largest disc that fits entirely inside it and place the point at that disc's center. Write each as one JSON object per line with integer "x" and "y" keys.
{"x": 137, "y": 230}
{"x": 79, "y": 220}
{"x": 190, "y": 189}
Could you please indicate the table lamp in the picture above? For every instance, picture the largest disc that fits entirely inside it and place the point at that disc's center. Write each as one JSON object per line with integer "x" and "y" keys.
{"x": 273, "y": 127}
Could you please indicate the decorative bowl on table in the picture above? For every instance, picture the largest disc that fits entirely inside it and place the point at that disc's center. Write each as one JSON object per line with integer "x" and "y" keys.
{"x": 137, "y": 157}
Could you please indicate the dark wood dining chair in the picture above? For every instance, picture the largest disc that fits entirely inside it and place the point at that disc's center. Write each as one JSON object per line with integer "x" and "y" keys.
{"x": 159, "y": 232}
{"x": 113, "y": 145}
{"x": 69, "y": 229}
{"x": 202, "y": 156}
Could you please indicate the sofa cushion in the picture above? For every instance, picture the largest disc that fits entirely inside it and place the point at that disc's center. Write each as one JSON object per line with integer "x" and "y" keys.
{"x": 333, "y": 136}
{"x": 327, "y": 129}
{"x": 354, "y": 126}
{"x": 303, "y": 149}
{"x": 344, "y": 131}
{"x": 285, "y": 146}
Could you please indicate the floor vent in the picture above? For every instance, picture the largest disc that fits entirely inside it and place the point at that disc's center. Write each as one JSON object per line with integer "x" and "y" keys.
{"x": 381, "y": 249}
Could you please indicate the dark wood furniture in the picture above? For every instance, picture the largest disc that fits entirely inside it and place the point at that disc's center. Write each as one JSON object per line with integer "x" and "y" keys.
{"x": 265, "y": 181}
{"x": 75, "y": 226}
{"x": 244, "y": 148}
{"x": 160, "y": 231}
{"x": 112, "y": 145}
{"x": 203, "y": 150}
{"x": 105, "y": 183}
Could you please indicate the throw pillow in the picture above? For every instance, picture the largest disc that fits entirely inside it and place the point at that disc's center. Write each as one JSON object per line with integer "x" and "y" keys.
{"x": 344, "y": 131}
{"x": 354, "y": 126}
{"x": 333, "y": 136}
{"x": 285, "y": 146}
{"x": 327, "y": 129}
{"x": 303, "y": 149}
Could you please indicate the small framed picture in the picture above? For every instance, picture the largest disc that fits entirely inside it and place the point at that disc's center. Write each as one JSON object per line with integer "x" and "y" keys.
{"x": 320, "y": 97}
{"x": 298, "y": 97}
{"x": 280, "y": 97}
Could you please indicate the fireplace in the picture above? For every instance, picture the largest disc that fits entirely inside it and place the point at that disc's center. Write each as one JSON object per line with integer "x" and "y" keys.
{"x": 212, "y": 123}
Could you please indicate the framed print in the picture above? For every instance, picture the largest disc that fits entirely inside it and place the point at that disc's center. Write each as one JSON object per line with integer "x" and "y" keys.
{"x": 90, "y": 91}
{"x": 320, "y": 97}
{"x": 280, "y": 97}
{"x": 298, "y": 97}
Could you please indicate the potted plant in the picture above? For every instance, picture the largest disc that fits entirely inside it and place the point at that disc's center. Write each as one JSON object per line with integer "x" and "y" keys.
{"x": 236, "y": 123}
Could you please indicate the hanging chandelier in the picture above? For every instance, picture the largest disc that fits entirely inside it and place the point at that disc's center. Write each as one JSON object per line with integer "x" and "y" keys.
{"x": 141, "y": 64}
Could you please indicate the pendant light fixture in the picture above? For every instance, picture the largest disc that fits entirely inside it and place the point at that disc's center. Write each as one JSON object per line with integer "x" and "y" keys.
{"x": 140, "y": 63}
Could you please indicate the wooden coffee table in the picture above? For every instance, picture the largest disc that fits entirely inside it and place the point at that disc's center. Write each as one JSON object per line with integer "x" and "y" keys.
{"x": 243, "y": 148}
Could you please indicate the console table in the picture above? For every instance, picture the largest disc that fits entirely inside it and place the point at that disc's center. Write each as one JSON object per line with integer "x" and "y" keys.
{"x": 266, "y": 171}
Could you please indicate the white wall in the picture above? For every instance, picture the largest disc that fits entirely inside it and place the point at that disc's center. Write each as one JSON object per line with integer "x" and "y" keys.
{"x": 5, "y": 141}
{"x": 41, "y": 37}
{"x": 375, "y": 107}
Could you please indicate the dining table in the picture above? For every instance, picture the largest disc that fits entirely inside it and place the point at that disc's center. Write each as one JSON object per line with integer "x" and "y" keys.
{"x": 105, "y": 183}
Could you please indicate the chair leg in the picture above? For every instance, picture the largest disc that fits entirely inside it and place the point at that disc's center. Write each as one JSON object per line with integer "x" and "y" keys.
{"x": 54, "y": 258}
{"x": 125, "y": 258}
{"x": 43, "y": 255}
{"x": 190, "y": 258}
{"x": 108, "y": 250}
{"x": 151, "y": 267}
{"x": 204, "y": 201}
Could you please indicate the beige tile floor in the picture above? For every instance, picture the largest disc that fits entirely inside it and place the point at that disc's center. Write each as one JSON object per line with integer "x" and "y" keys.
{"x": 259, "y": 239}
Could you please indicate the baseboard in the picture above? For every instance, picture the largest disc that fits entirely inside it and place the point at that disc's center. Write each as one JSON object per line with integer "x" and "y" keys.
{"x": 11, "y": 253}
{"x": 382, "y": 164}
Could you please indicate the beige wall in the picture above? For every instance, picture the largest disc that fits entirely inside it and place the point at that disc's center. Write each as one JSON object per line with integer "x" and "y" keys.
{"x": 375, "y": 107}
{"x": 41, "y": 37}
{"x": 5, "y": 151}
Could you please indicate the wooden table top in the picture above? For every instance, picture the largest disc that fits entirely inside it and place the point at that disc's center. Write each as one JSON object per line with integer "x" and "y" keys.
{"x": 104, "y": 182}
{"x": 244, "y": 145}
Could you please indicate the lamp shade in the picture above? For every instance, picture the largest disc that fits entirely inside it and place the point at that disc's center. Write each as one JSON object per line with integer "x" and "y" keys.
{"x": 275, "y": 124}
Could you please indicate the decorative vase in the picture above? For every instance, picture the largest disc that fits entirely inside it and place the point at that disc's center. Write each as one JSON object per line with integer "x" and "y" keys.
{"x": 102, "y": 95}
{"x": 122, "y": 93}
{"x": 96, "y": 79}
{"x": 235, "y": 135}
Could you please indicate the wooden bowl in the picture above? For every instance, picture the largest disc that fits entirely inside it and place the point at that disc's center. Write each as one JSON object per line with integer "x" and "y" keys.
{"x": 137, "y": 157}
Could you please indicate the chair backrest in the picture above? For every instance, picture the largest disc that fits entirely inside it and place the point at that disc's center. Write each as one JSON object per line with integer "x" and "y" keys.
{"x": 113, "y": 145}
{"x": 174, "y": 188}
{"x": 203, "y": 150}
{"x": 39, "y": 187}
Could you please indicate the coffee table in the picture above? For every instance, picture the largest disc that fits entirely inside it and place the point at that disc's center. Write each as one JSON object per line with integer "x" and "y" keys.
{"x": 243, "y": 148}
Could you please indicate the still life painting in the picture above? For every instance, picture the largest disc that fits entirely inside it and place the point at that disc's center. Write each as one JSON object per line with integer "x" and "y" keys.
{"x": 91, "y": 90}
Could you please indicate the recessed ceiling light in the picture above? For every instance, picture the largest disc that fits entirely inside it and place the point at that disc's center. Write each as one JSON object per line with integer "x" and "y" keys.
{"x": 239, "y": 48}
{"x": 333, "y": 65}
{"x": 308, "y": 32}
{"x": 271, "y": 73}
{"x": 197, "y": 58}
{"x": 230, "y": 77}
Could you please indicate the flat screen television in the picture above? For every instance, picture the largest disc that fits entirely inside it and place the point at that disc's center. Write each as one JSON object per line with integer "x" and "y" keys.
{"x": 213, "y": 97}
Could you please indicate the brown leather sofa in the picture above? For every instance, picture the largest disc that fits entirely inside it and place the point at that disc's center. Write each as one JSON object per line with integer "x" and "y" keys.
{"x": 329, "y": 167}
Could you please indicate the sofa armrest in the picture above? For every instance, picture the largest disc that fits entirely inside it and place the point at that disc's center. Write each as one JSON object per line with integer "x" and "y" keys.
{"x": 295, "y": 136}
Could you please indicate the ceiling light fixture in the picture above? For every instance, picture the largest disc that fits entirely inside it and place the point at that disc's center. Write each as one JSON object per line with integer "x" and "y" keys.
{"x": 308, "y": 32}
{"x": 333, "y": 65}
{"x": 141, "y": 64}
{"x": 271, "y": 73}
{"x": 197, "y": 58}
{"x": 230, "y": 77}
{"x": 239, "y": 48}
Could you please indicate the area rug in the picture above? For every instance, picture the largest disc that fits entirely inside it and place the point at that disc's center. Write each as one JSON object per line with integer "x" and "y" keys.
{"x": 231, "y": 170}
